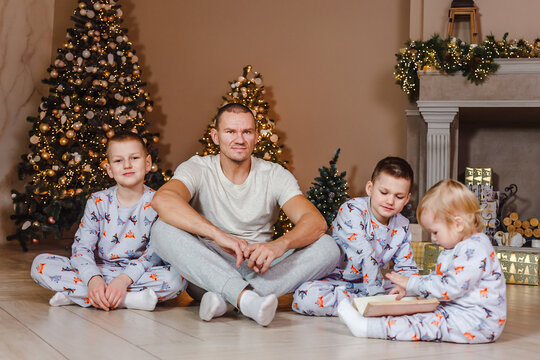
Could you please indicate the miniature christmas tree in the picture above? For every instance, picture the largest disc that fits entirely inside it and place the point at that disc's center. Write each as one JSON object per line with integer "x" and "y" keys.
{"x": 95, "y": 91}
{"x": 329, "y": 190}
{"x": 249, "y": 91}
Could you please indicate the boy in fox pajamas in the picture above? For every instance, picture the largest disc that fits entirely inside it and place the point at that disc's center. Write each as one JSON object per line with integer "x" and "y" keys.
{"x": 125, "y": 271}
{"x": 468, "y": 280}
{"x": 370, "y": 233}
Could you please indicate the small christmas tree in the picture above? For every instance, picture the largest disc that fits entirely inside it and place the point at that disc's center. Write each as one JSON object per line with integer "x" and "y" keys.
{"x": 95, "y": 91}
{"x": 249, "y": 91}
{"x": 329, "y": 190}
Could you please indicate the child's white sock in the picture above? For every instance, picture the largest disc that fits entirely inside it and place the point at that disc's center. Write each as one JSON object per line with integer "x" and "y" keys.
{"x": 213, "y": 306}
{"x": 352, "y": 318}
{"x": 60, "y": 299}
{"x": 261, "y": 309}
{"x": 140, "y": 300}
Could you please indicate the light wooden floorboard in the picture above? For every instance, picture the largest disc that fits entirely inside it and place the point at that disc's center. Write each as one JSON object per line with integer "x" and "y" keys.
{"x": 30, "y": 329}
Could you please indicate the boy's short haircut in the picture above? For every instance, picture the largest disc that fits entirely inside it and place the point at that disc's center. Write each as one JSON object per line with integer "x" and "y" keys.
{"x": 122, "y": 136}
{"x": 236, "y": 108}
{"x": 394, "y": 166}
{"x": 448, "y": 199}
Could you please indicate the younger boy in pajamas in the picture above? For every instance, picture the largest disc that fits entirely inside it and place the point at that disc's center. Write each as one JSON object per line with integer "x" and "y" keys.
{"x": 124, "y": 271}
{"x": 370, "y": 232}
{"x": 468, "y": 280}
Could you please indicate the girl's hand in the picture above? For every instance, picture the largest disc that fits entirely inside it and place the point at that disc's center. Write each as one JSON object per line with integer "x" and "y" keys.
{"x": 96, "y": 293}
{"x": 116, "y": 290}
{"x": 398, "y": 279}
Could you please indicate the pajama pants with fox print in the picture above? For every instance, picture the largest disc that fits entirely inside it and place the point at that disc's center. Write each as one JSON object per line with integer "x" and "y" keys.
{"x": 56, "y": 273}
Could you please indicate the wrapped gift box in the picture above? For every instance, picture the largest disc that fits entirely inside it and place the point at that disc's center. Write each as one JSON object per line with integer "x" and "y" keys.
{"x": 418, "y": 253}
{"x": 519, "y": 267}
{"x": 431, "y": 253}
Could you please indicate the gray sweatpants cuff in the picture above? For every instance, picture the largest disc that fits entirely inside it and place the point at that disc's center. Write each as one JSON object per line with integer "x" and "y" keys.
{"x": 232, "y": 288}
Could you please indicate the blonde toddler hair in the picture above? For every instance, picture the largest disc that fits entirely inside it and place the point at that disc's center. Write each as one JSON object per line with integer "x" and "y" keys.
{"x": 448, "y": 199}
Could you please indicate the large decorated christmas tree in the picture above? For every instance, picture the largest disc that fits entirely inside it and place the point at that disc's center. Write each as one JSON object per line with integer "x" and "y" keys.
{"x": 329, "y": 190}
{"x": 95, "y": 90}
{"x": 249, "y": 91}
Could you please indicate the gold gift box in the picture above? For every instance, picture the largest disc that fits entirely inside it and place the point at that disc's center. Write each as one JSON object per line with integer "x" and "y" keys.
{"x": 519, "y": 267}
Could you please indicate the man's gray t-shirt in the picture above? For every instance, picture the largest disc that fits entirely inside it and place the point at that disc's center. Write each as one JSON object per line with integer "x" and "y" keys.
{"x": 248, "y": 210}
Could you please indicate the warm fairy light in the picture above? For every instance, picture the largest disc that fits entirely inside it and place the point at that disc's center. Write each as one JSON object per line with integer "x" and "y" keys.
{"x": 452, "y": 55}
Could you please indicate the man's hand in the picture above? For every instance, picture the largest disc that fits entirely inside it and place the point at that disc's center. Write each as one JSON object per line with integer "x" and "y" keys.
{"x": 261, "y": 255}
{"x": 233, "y": 245}
{"x": 398, "y": 279}
{"x": 116, "y": 290}
{"x": 96, "y": 293}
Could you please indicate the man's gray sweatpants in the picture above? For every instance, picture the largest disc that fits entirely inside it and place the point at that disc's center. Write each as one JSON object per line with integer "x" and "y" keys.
{"x": 203, "y": 263}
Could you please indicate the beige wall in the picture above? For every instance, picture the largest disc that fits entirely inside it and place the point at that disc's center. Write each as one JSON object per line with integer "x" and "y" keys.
{"x": 517, "y": 17}
{"x": 25, "y": 52}
{"x": 327, "y": 67}
{"x": 329, "y": 82}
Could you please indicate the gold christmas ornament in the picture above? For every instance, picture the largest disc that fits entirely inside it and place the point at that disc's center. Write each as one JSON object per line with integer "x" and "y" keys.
{"x": 63, "y": 141}
{"x": 78, "y": 191}
{"x": 54, "y": 73}
{"x": 45, "y": 155}
{"x": 77, "y": 126}
{"x": 44, "y": 127}
{"x": 51, "y": 173}
{"x": 110, "y": 133}
{"x": 65, "y": 157}
{"x": 82, "y": 5}
{"x": 35, "y": 241}
{"x": 51, "y": 220}
{"x": 154, "y": 168}
{"x": 103, "y": 163}
{"x": 155, "y": 139}
{"x": 34, "y": 139}
{"x": 62, "y": 180}
{"x": 70, "y": 134}
{"x": 103, "y": 140}
{"x": 149, "y": 108}
{"x": 105, "y": 127}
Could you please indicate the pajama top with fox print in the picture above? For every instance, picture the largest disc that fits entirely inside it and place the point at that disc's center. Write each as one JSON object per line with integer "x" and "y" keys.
{"x": 369, "y": 245}
{"x": 115, "y": 235}
{"x": 469, "y": 282}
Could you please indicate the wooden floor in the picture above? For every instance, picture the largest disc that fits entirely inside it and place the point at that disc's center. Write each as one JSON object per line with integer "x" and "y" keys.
{"x": 31, "y": 329}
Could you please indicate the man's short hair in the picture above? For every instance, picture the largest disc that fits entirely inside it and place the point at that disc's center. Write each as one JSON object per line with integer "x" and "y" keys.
{"x": 236, "y": 108}
{"x": 393, "y": 166}
{"x": 122, "y": 136}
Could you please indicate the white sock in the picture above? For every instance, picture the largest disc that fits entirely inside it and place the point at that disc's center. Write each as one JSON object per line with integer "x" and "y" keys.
{"x": 261, "y": 309}
{"x": 213, "y": 306}
{"x": 140, "y": 300}
{"x": 352, "y": 318}
{"x": 60, "y": 299}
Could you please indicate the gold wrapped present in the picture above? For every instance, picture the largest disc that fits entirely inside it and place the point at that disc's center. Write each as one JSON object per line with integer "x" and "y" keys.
{"x": 418, "y": 253}
{"x": 486, "y": 176}
{"x": 469, "y": 176}
{"x": 519, "y": 267}
{"x": 431, "y": 253}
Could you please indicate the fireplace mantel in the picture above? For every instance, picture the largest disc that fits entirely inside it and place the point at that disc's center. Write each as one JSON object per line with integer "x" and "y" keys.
{"x": 515, "y": 84}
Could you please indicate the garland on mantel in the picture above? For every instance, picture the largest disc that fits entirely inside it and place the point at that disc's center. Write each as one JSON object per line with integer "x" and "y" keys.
{"x": 451, "y": 55}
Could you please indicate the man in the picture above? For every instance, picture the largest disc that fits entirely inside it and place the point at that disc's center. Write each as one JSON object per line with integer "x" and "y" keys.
{"x": 216, "y": 218}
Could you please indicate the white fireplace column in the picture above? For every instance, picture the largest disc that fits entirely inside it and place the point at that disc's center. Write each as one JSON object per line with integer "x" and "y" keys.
{"x": 438, "y": 143}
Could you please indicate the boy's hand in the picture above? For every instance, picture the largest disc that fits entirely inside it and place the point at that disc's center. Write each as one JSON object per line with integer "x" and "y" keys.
{"x": 96, "y": 293}
{"x": 401, "y": 292}
{"x": 116, "y": 290}
{"x": 398, "y": 279}
{"x": 260, "y": 256}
